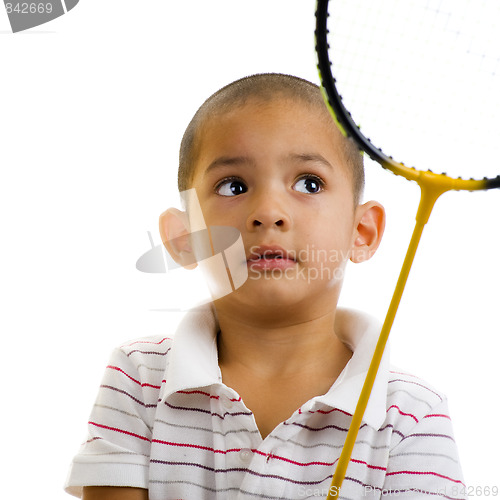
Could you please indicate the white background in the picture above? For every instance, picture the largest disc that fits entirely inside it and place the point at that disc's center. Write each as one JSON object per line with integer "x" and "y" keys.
{"x": 92, "y": 109}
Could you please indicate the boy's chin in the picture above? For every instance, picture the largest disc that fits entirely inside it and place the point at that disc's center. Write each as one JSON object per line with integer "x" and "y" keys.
{"x": 273, "y": 295}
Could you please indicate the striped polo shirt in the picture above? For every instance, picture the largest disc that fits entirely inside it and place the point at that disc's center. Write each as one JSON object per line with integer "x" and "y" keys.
{"x": 164, "y": 420}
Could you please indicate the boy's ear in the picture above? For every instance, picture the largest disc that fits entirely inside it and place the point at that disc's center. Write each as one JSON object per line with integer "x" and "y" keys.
{"x": 175, "y": 235}
{"x": 370, "y": 225}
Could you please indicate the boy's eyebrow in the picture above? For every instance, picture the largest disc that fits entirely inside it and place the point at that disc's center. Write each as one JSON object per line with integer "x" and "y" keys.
{"x": 225, "y": 161}
{"x": 306, "y": 157}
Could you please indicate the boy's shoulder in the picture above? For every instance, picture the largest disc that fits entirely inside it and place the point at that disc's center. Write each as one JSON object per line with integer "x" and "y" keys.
{"x": 152, "y": 344}
{"x": 142, "y": 360}
{"x": 153, "y": 348}
{"x": 412, "y": 398}
{"x": 407, "y": 385}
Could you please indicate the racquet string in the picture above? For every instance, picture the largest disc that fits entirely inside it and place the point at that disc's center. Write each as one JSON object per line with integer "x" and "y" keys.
{"x": 421, "y": 78}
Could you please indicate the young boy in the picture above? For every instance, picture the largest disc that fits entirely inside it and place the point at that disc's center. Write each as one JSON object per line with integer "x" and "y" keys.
{"x": 252, "y": 397}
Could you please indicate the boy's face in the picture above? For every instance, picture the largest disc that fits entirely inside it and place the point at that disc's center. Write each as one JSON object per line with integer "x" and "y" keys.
{"x": 275, "y": 172}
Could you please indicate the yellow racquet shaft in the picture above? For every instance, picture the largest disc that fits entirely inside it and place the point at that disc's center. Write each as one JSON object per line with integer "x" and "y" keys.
{"x": 430, "y": 192}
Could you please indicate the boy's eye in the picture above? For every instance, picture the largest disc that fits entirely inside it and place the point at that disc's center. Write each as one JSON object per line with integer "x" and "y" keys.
{"x": 309, "y": 184}
{"x": 231, "y": 187}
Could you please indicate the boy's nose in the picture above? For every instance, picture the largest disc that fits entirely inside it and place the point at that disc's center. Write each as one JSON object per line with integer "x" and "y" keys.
{"x": 278, "y": 222}
{"x": 269, "y": 213}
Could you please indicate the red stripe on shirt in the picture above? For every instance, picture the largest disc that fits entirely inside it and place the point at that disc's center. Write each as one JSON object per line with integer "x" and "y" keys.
{"x": 207, "y": 394}
{"x": 261, "y": 453}
{"x": 375, "y": 467}
{"x": 147, "y": 342}
{"x": 196, "y": 446}
{"x": 131, "y": 378}
{"x": 115, "y": 429}
{"x": 437, "y": 415}
{"x": 326, "y": 412}
{"x": 403, "y": 413}
{"x": 235, "y": 450}
{"x": 421, "y": 473}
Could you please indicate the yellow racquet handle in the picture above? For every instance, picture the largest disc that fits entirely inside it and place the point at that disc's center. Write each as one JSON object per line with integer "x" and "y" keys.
{"x": 432, "y": 187}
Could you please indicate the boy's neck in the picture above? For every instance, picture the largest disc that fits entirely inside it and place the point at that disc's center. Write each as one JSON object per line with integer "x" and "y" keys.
{"x": 278, "y": 349}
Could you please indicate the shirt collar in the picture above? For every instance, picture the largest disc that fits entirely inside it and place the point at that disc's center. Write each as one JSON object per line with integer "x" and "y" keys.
{"x": 193, "y": 359}
{"x": 194, "y": 364}
{"x": 360, "y": 332}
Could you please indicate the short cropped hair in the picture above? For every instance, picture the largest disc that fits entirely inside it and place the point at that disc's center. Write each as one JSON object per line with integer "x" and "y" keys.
{"x": 264, "y": 87}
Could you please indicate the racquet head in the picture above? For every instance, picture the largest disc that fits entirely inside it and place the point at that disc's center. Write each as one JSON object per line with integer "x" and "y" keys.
{"x": 416, "y": 84}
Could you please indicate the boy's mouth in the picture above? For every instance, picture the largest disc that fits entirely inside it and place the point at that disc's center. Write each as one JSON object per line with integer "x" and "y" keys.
{"x": 270, "y": 257}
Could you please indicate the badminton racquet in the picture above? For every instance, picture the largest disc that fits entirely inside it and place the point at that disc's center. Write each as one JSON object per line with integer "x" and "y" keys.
{"x": 417, "y": 85}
